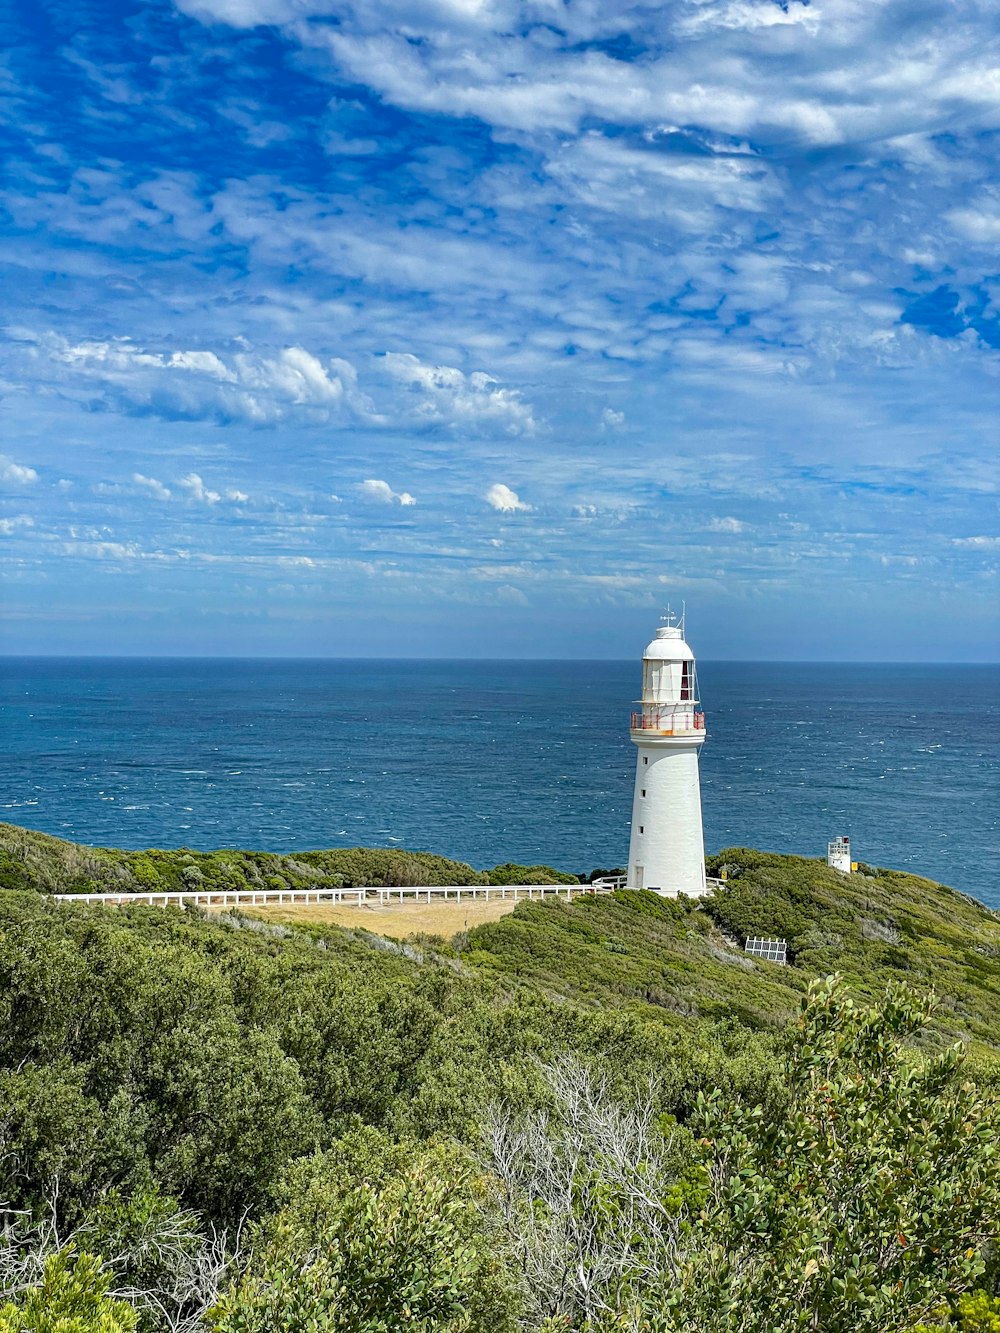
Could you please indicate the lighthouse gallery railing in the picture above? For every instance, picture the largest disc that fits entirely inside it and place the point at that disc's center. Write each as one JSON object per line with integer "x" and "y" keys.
{"x": 667, "y": 724}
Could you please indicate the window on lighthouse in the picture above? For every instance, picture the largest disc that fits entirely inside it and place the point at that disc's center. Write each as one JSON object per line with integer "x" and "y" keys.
{"x": 686, "y": 692}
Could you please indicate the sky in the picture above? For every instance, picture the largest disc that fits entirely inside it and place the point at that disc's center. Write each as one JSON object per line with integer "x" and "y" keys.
{"x": 490, "y": 328}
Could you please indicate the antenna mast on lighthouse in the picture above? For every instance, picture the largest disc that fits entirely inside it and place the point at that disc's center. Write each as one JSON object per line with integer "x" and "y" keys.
{"x": 667, "y": 846}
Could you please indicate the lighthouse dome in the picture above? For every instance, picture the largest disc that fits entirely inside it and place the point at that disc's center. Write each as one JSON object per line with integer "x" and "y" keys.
{"x": 668, "y": 646}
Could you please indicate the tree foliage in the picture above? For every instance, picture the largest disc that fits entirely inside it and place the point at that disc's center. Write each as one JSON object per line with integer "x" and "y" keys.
{"x": 873, "y": 1197}
{"x": 72, "y": 1297}
{"x": 372, "y": 1238}
{"x": 868, "y": 1201}
{"x": 512, "y": 873}
{"x": 672, "y": 1151}
{"x": 973, "y": 1312}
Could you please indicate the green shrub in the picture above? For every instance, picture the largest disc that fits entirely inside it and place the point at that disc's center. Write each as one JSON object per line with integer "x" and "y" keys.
{"x": 72, "y": 1298}
{"x": 874, "y": 1196}
{"x": 975, "y": 1312}
{"x": 866, "y": 1198}
{"x": 373, "y": 1237}
{"x": 512, "y": 873}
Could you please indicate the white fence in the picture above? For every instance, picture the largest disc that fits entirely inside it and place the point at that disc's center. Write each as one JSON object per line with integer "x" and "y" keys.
{"x": 611, "y": 882}
{"x": 352, "y": 897}
{"x": 361, "y": 896}
{"x": 772, "y": 951}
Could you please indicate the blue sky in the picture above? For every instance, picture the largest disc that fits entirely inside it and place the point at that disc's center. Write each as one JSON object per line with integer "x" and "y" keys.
{"x": 474, "y": 327}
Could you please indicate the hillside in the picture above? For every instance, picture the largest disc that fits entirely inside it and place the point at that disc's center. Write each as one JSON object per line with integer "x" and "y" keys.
{"x": 687, "y": 958}
{"x": 36, "y": 861}
{"x": 155, "y": 1060}
{"x": 668, "y": 960}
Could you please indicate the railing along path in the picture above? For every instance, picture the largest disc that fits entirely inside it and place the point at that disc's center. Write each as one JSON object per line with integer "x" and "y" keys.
{"x": 355, "y": 897}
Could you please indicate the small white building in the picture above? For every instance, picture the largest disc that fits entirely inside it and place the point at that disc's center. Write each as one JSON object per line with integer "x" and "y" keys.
{"x": 667, "y": 846}
{"x": 838, "y": 855}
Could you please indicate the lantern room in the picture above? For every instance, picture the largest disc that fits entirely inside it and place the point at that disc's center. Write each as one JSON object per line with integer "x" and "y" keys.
{"x": 669, "y": 702}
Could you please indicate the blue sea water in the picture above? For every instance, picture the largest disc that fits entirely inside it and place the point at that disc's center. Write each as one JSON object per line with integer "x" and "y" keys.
{"x": 496, "y": 761}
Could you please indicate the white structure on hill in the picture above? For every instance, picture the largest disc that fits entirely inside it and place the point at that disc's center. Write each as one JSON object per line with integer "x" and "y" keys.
{"x": 667, "y": 848}
{"x": 838, "y": 855}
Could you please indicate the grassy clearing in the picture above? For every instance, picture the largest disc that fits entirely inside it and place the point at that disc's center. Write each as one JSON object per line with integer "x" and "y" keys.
{"x": 395, "y": 920}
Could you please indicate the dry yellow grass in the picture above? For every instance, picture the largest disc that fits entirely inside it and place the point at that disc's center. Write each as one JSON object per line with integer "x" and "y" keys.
{"x": 394, "y": 920}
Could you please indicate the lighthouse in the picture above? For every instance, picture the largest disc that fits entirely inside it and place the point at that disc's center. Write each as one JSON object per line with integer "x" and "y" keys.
{"x": 667, "y": 848}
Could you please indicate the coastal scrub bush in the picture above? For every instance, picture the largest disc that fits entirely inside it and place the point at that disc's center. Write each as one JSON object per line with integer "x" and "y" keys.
{"x": 866, "y": 1203}
{"x": 512, "y": 873}
{"x": 373, "y": 1237}
{"x": 378, "y": 866}
{"x": 168, "y": 1052}
{"x": 72, "y": 1297}
{"x": 587, "y": 1192}
{"x": 59, "y": 1145}
{"x": 974, "y": 1312}
{"x": 30, "y": 860}
{"x": 873, "y": 1198}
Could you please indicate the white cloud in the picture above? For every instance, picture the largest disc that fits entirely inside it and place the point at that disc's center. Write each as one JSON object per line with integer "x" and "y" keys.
{"x": 196, "y": 384}
{"x": 981, "y": 226}
{"x": 16, "y": 472}
{"x": 466, "y": 402}
{"x": 109, "y": 550}
{"x": 616, "y": 175}
{"x": 508, "y": 595}
{"x": 248, "y": 13}
{"x": 382, "y": 493}
{"x": 11, "y": 525}
{"x": 982, "y": 542}
{"x": 743, "y": 14}
{"x": 903, "y": 561}
{"x": 502, "y": 498}
{"x": 611, "y": 510}
{"x": 192, "y": 483}
{"x": 712, "y": 281}
{"x": 703, "y": 63}
{"x": 155, "y": 488}
{"x": 741, "y": 68}
{"x": 297, "y": 376}
{"x": 923, "y": 258}
{"x": 197, "y": 489}
{"x": 206, "y": 363}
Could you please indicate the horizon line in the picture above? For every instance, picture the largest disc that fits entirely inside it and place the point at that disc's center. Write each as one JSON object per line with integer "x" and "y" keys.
{"x": 319, "y": 657}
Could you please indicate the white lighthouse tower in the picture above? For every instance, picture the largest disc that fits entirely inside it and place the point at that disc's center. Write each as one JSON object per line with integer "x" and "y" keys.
{"x": 667, "y": 849}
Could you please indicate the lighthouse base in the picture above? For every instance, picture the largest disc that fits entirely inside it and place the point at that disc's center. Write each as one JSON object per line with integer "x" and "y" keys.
{"x": 667, "y": 848}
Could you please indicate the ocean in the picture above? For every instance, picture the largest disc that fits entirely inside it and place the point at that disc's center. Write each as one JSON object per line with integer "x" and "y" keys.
{"x": 500, "y": 761}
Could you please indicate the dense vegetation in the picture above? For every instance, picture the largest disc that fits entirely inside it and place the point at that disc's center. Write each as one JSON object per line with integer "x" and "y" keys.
{"x": 30, "y": 860}
{"x": 221, "y": 1124}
